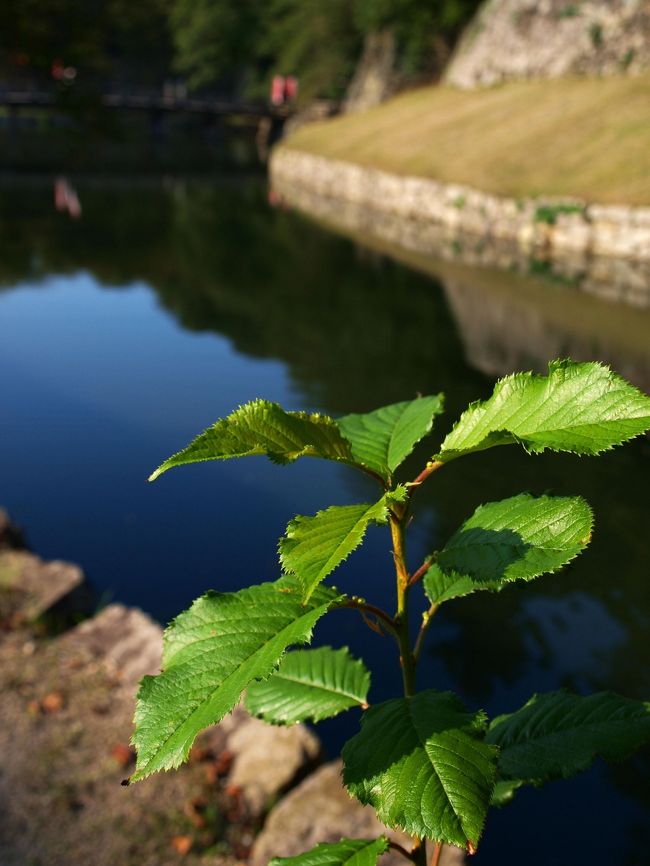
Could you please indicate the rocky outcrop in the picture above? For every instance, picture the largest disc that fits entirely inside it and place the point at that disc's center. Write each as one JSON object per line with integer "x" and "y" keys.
{"x": 10, "y": 535}
{"x": 320, "y": 810}
{"x": 524, "y": 39}
{"x": 31, "y": 589}
{"x": 267, "y": 760}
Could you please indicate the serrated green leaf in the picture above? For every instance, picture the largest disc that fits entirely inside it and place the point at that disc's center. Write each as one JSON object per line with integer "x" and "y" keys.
{"x": 314, "y": 546}
{"x": 347, "y": 852}
{"x": 559, "y": 734}
{"x": 383, "y": 439}
{"x": 310, "y": 685}
{"x": 265, "y": 428}
{"x": 504, "y": 791}
{"x": 422, "y": 763}
{"x": 211, "y": 653}
{"x": 582, "y": 408}
{"x": 515, "y": 539}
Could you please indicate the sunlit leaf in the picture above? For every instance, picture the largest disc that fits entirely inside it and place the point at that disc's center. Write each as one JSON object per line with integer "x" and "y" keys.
{"x": 211, "y": 653}
{"x": 310, "y": 685}
{"x": 383, "y": 439}
{"x": 583, "y": 408}
{"x": 422, "y": 763}
{"x": 347, "y": 852}
{"x": 265, "y": 428}
{"x": 515, "y": 539}
{"x": 559, "y": 734}
{"x": 314, "y": 546}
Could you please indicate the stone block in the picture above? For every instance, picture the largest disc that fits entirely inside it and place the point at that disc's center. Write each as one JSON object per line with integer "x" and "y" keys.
{"x": 320, "y": 810}
{"x": 31, "y": 588}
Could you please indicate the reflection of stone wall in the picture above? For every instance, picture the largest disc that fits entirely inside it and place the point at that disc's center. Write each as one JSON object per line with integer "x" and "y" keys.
{"x": 514, "y": 308}
{"x": 505, "y": 333}
{"x": 547, "y": 38}
{"x": 425, "y": 216}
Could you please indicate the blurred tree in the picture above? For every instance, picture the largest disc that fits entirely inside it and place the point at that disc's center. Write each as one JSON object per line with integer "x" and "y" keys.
{"x": 100, "y": 38}
{"x": 319, "y": 42}
{"x": 425, "y": 32}
{"x": 33, "y": 33}
{"x": 239, "y": 46}
{"x": 234, "y": 47}
{"x": 217, "y": 41}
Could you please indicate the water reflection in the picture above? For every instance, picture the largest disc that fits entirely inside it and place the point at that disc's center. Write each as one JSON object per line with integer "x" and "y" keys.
{"x": 214, "y": 298}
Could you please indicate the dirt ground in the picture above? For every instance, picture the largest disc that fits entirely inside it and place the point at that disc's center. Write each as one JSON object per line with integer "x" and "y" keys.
{"x": 65, "y": 724}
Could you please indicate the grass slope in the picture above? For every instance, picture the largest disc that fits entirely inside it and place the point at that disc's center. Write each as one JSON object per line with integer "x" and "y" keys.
{"x": 586, "y": 137}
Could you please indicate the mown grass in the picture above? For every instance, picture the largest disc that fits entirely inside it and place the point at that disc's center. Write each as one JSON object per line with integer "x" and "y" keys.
{"x": 588, "y": 138}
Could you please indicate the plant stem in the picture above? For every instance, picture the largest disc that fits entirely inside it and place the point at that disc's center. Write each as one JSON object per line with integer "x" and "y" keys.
{"x": 397, "y": 847}
{"x": 421, "y": 571}
{"x": 363, "y": 606}
{"x": 437, "y": 851}
{"x": 422, "y": 477}
{"x": 401, "y": 618}
{"x": 426, "y": 622}
{"x": 419, "y": 852}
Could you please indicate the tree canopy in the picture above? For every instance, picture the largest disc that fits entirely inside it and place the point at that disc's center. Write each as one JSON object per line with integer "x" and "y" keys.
{"x": 218, "y": 45}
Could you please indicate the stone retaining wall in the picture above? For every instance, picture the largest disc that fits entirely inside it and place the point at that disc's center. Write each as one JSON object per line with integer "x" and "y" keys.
{"x": 549, "y": 226}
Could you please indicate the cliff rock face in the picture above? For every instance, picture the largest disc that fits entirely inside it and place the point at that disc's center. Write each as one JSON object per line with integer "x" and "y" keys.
{"x": 523, "y": 39}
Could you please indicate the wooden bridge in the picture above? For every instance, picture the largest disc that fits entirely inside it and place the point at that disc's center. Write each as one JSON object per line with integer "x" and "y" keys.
{"x": 153, "y": 103}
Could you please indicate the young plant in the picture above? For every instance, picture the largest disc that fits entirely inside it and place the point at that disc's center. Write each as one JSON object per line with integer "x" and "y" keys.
{"x": 427, "y": 764}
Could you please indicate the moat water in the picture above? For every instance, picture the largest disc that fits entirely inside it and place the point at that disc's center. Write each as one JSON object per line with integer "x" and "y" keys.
{"x": 135, "y": 317}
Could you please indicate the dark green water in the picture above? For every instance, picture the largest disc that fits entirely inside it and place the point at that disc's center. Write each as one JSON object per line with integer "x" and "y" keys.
{"x": 168, "y": 303}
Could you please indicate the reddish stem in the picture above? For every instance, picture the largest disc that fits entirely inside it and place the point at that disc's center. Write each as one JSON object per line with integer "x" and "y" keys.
{"x": 364, "y": 607}
{"x": 422, "y": 477}
{"x": 422, "y": 570}
{"x": 397, "y": 847}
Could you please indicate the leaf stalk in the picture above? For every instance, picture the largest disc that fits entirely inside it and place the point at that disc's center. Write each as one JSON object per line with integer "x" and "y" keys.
{"x": 401, "y": 618}
{"x": 429, "y": 469}
{"x": 364, "y": 607}
{"x": 426, "y": 622}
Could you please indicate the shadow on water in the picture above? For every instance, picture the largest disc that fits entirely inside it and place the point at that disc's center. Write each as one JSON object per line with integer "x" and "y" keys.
{"x": 252, "y": 301}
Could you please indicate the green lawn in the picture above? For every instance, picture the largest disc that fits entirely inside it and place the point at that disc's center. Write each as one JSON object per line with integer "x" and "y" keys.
{"x": 587, "y": 137}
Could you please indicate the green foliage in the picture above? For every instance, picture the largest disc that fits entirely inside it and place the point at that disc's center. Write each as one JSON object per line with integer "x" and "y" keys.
{"x": 515, "y": 539}
{"x": 265, "y": 428}
{"x": 211, "y": 653}
{"x": 416, "y": 25}
{"x": 241, "y": 45}
{"x": 383, "y": 439}
{"x": 548, "y": 213}
{"x": 596, "y": 34}
{"x": 571, "y": 10}
{"x": 347, "y": 852}
{"x": 314, "y": 546}
{"x": 317, "y": 42}
{"x": 422, "y": 763}
{"x": 425, "y": 763}
{"x": 581, "y": 408}
{"x": 129, "y": 40}
{"x": 559, "y": 734}
{"x": 310, "y": 685}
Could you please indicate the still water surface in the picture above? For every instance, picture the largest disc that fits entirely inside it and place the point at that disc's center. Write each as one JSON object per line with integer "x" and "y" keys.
{"x": 167, "y": 304}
